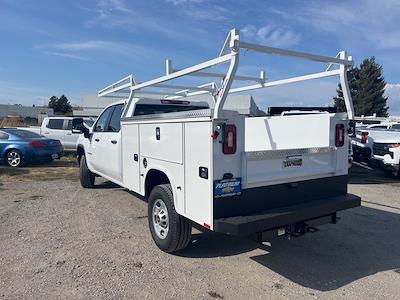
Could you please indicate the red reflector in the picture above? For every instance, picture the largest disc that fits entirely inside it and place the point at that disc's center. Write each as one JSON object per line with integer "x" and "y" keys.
{"x": 364, "y": 136}
{"x": 38, "y": 144}
{"x": 229, "y": 145}
{"x": 214, "y": 135}
{"x": 206, "y": 225}
{"x": 339, "y": 140}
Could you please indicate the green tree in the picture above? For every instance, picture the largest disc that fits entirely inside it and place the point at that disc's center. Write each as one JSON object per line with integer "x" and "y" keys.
{"x": 367, "y": 87}
{"x": 60, "y": 105}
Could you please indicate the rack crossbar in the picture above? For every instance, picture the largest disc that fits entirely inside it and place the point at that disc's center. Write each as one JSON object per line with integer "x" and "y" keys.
{"x": 285, "y": 81}
{"x": 183, "y": 72}
{"x": 221, "y": 75}
{"x": 291, "y": 53}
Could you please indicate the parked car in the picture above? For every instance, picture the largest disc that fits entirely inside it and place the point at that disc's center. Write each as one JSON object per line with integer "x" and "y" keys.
{"x": 19, "y": 147}
{"x": 386, "y": 150}
{"x": 59, "y": 128}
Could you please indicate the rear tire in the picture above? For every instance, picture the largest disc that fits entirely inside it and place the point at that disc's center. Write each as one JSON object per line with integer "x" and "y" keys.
{"x": 85, "y": 175}
{"x": 14, "y": 158}
{"x": 170, "y": 231}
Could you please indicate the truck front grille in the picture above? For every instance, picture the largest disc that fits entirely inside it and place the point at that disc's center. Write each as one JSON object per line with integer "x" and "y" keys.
{"x": 380, "y": 149}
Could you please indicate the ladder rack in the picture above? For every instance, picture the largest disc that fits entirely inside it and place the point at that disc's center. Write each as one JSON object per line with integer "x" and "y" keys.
{"x": 127, "y": 87}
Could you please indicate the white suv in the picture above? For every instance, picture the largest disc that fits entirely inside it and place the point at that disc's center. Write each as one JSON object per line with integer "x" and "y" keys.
{"x": 59, "y": 128}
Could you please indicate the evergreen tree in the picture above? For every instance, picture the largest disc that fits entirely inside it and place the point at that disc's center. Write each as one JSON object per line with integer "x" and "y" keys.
{"x": 367, "y": 87}
{"x": 53, "y": 103}
{"x": 60, "y": 105}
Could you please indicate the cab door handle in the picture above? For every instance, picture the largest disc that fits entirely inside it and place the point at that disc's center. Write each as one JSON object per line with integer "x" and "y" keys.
{"x": 113, "y": 141}
{"x": 97, "y": 140}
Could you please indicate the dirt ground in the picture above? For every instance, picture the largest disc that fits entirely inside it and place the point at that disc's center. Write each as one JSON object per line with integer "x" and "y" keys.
{"x": 59, "y": 241}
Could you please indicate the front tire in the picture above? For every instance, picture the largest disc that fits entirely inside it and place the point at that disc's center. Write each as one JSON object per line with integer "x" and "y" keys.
{"x": 85, "y": 175}
{"x": 170, "y": 231}
{"x": 14, "y": 158}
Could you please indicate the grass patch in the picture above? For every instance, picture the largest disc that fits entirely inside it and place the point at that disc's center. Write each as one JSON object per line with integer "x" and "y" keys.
{"x": 38, "y": 174}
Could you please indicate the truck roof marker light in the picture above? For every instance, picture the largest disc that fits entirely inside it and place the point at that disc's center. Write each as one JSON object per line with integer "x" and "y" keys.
{"x": 175, "y": 102}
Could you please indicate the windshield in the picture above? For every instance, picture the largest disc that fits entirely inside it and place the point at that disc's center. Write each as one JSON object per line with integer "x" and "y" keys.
{"x": 24, "y": 134}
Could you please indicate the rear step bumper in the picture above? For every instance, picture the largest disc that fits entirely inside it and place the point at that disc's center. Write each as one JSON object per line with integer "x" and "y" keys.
{"x": 245, "y": 225}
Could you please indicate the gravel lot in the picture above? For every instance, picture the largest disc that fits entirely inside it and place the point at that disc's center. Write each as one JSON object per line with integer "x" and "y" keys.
{"x": 58, "y": 240}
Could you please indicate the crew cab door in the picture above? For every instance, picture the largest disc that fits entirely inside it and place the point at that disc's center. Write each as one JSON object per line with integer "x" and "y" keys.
{"x": 109, "y": 148}
{"x": 94, "y": 149}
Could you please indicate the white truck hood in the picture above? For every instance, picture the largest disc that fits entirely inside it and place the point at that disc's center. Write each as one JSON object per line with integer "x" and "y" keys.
{"x": 384, "y": 136}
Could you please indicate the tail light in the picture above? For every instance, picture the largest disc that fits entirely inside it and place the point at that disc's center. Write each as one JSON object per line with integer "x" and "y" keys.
{"x": 38, "y": 144}
{"x": 364, "y": 136}
{"x": 229, "y": 144}
{"x": 339, "y": 140}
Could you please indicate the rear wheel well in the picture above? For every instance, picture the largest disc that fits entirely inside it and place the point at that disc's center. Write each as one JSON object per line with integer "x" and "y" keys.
{"x": 154, "y": 178}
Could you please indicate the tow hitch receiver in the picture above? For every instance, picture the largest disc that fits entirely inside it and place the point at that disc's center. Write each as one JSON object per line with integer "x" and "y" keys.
{"x": 294, "y": 230}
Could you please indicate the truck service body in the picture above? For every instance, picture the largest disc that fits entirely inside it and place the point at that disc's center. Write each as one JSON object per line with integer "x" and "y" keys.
{"x": 203, "y": 165}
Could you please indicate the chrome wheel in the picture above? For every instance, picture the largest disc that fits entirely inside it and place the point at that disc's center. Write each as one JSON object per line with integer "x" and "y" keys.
{"x": 160, "y": 219}
{"x": 13, "y": 158}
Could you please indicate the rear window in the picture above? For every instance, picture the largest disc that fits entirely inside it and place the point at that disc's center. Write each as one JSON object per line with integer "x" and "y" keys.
{"x": 24, "y": 134}
{"x": 149, "y": 109}
{"x": 55, "y": 124}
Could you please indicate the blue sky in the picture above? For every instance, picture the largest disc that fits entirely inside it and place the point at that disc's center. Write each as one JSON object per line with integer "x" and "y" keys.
{"x": 75, "y": 47}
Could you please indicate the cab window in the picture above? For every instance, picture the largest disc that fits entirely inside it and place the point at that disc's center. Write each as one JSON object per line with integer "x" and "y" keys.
{"x": 103, "y": 120}
{"x": 115, "y": 124}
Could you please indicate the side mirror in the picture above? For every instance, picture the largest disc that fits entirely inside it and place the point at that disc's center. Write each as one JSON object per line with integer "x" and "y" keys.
{"x": 78, "y": 127}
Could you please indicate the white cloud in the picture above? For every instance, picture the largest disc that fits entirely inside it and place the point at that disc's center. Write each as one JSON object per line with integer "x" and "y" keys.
{"x": 66, "y": 55}
{"x": 367, "y": 21}
{"x": 272, "y": 35}
{"x": 181, "y": 2}
{"x": 393, "y": 93}
{"x": 83, "y": 49}
{"x": 119, "y": 14}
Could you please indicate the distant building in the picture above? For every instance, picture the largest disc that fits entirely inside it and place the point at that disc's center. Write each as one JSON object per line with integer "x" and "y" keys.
{"x": 25, "y": 112}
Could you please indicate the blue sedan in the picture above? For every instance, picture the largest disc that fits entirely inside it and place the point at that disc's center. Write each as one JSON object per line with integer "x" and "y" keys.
{"x": 19, "y": 147}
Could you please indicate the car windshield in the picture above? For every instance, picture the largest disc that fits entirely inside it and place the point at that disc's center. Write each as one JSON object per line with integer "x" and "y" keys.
{"x": 24, "y": 134}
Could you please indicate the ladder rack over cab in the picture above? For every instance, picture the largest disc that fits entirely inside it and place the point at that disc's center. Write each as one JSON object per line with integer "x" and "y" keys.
{"x": 201, "y": 164}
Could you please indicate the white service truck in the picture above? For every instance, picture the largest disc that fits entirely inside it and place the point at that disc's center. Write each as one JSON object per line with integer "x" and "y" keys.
{"x": 216, "y": 169}
{"x": 386, "y": 149}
